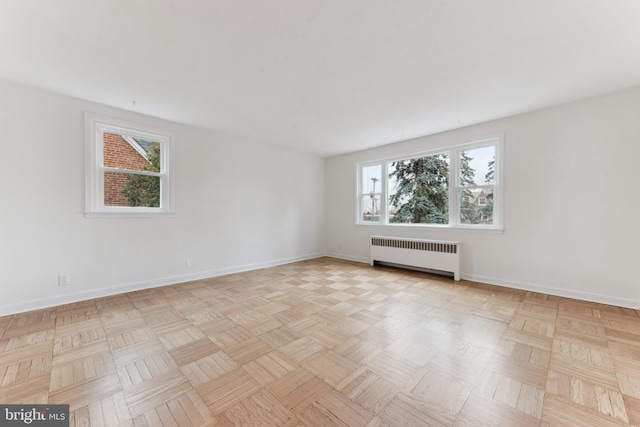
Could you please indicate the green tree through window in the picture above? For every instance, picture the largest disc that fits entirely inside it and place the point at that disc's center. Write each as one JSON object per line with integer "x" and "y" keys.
{"x": 422, "y": 194}
{"x": 142, "y": 190}
{"x": 454, "y": 186}
{"x": 468, "y": 212}
{"x": 487, "y": 211}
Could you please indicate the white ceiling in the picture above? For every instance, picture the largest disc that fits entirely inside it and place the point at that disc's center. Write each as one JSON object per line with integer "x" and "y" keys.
{"x": 323, "y": 76}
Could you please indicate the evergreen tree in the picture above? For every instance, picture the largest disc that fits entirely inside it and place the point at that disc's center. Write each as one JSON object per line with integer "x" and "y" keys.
{"x": 490, "y": 175}
{"x": 468, "y": 212}
{"x": 142, "y": 190}
{"x": 487, "y": 211}
{"x": 422, "y": 194}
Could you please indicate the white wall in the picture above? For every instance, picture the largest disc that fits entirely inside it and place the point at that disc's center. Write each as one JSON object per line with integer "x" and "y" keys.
{"x": 240, "y": 205}
{"x": 572, "y": 205}
{"x": 572, "y": 202}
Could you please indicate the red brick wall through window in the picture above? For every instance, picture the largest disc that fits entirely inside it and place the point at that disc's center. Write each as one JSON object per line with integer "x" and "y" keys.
{"x": 118, "y": 153}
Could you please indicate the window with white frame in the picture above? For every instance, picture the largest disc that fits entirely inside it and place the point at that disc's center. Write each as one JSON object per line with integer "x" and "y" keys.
{"x": 127, "y": 168}
{"x": 455, "y": 186}
{"x": 370, "y": 192}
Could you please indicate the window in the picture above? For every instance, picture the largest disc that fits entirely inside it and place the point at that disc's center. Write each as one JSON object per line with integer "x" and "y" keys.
{"x": 476, "y": 182}
{"x": 370, "y": 193}
{"x": 455, "y": 186}
{"x": 127, "y": 168}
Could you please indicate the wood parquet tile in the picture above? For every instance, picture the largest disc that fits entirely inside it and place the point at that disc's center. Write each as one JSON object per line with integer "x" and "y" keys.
{"x": 327, "y": 342}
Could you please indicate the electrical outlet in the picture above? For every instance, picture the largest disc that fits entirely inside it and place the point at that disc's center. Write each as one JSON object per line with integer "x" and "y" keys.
{"x": 187, "y": 262}
{"x": 339, "y": 246}
{"x": 64, "y": 279}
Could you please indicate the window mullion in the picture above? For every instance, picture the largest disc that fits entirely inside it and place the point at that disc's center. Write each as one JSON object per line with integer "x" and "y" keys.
{"x": 384, "y": 183}
{"x": 132, "y": 172}
{"x": 480, "y": 186}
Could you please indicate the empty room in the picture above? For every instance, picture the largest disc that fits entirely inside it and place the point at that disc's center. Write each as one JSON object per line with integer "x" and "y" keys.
{"x": 309, "y": 213}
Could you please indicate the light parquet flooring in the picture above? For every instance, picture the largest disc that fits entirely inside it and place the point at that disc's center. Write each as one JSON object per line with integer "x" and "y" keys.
{"x": 327, "y": 342}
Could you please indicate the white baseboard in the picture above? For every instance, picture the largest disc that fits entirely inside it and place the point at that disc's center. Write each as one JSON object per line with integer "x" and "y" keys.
{"x": 567, "y": 293}
{"x": 531, "y": 287}
{"x": 38, "y": 304}
{"x": 347, "y": 257}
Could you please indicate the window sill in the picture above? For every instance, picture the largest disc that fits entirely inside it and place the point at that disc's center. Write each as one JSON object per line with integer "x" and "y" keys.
{"x": 130, "y": 214}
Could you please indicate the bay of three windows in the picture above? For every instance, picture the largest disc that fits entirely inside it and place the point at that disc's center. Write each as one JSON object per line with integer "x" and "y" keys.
{"x": 457, "y": 186}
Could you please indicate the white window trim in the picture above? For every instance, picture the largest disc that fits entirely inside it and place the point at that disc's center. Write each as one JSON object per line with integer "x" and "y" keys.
{"x": 95, "y": 126}
{"x": 496, "y": 140}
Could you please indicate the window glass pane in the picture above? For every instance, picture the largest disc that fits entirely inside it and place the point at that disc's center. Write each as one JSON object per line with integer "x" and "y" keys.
{"x": 131, "y": 190}
{"x": 418, "y": 190}
{"x": 477, "y": 166}
{"x": 371, "y": 208}
{"x": 131, "y": 153}
{"x": 371, "y": 179}
{"x": 476, "y": 206}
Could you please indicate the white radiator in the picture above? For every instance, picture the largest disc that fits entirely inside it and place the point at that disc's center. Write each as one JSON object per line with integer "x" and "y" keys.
{"x": 428, "y": 254}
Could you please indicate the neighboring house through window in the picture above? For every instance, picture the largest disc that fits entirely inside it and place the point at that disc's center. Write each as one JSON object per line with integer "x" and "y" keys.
{"x": 123, "y": 152}
{"x": 127, "y": 168}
